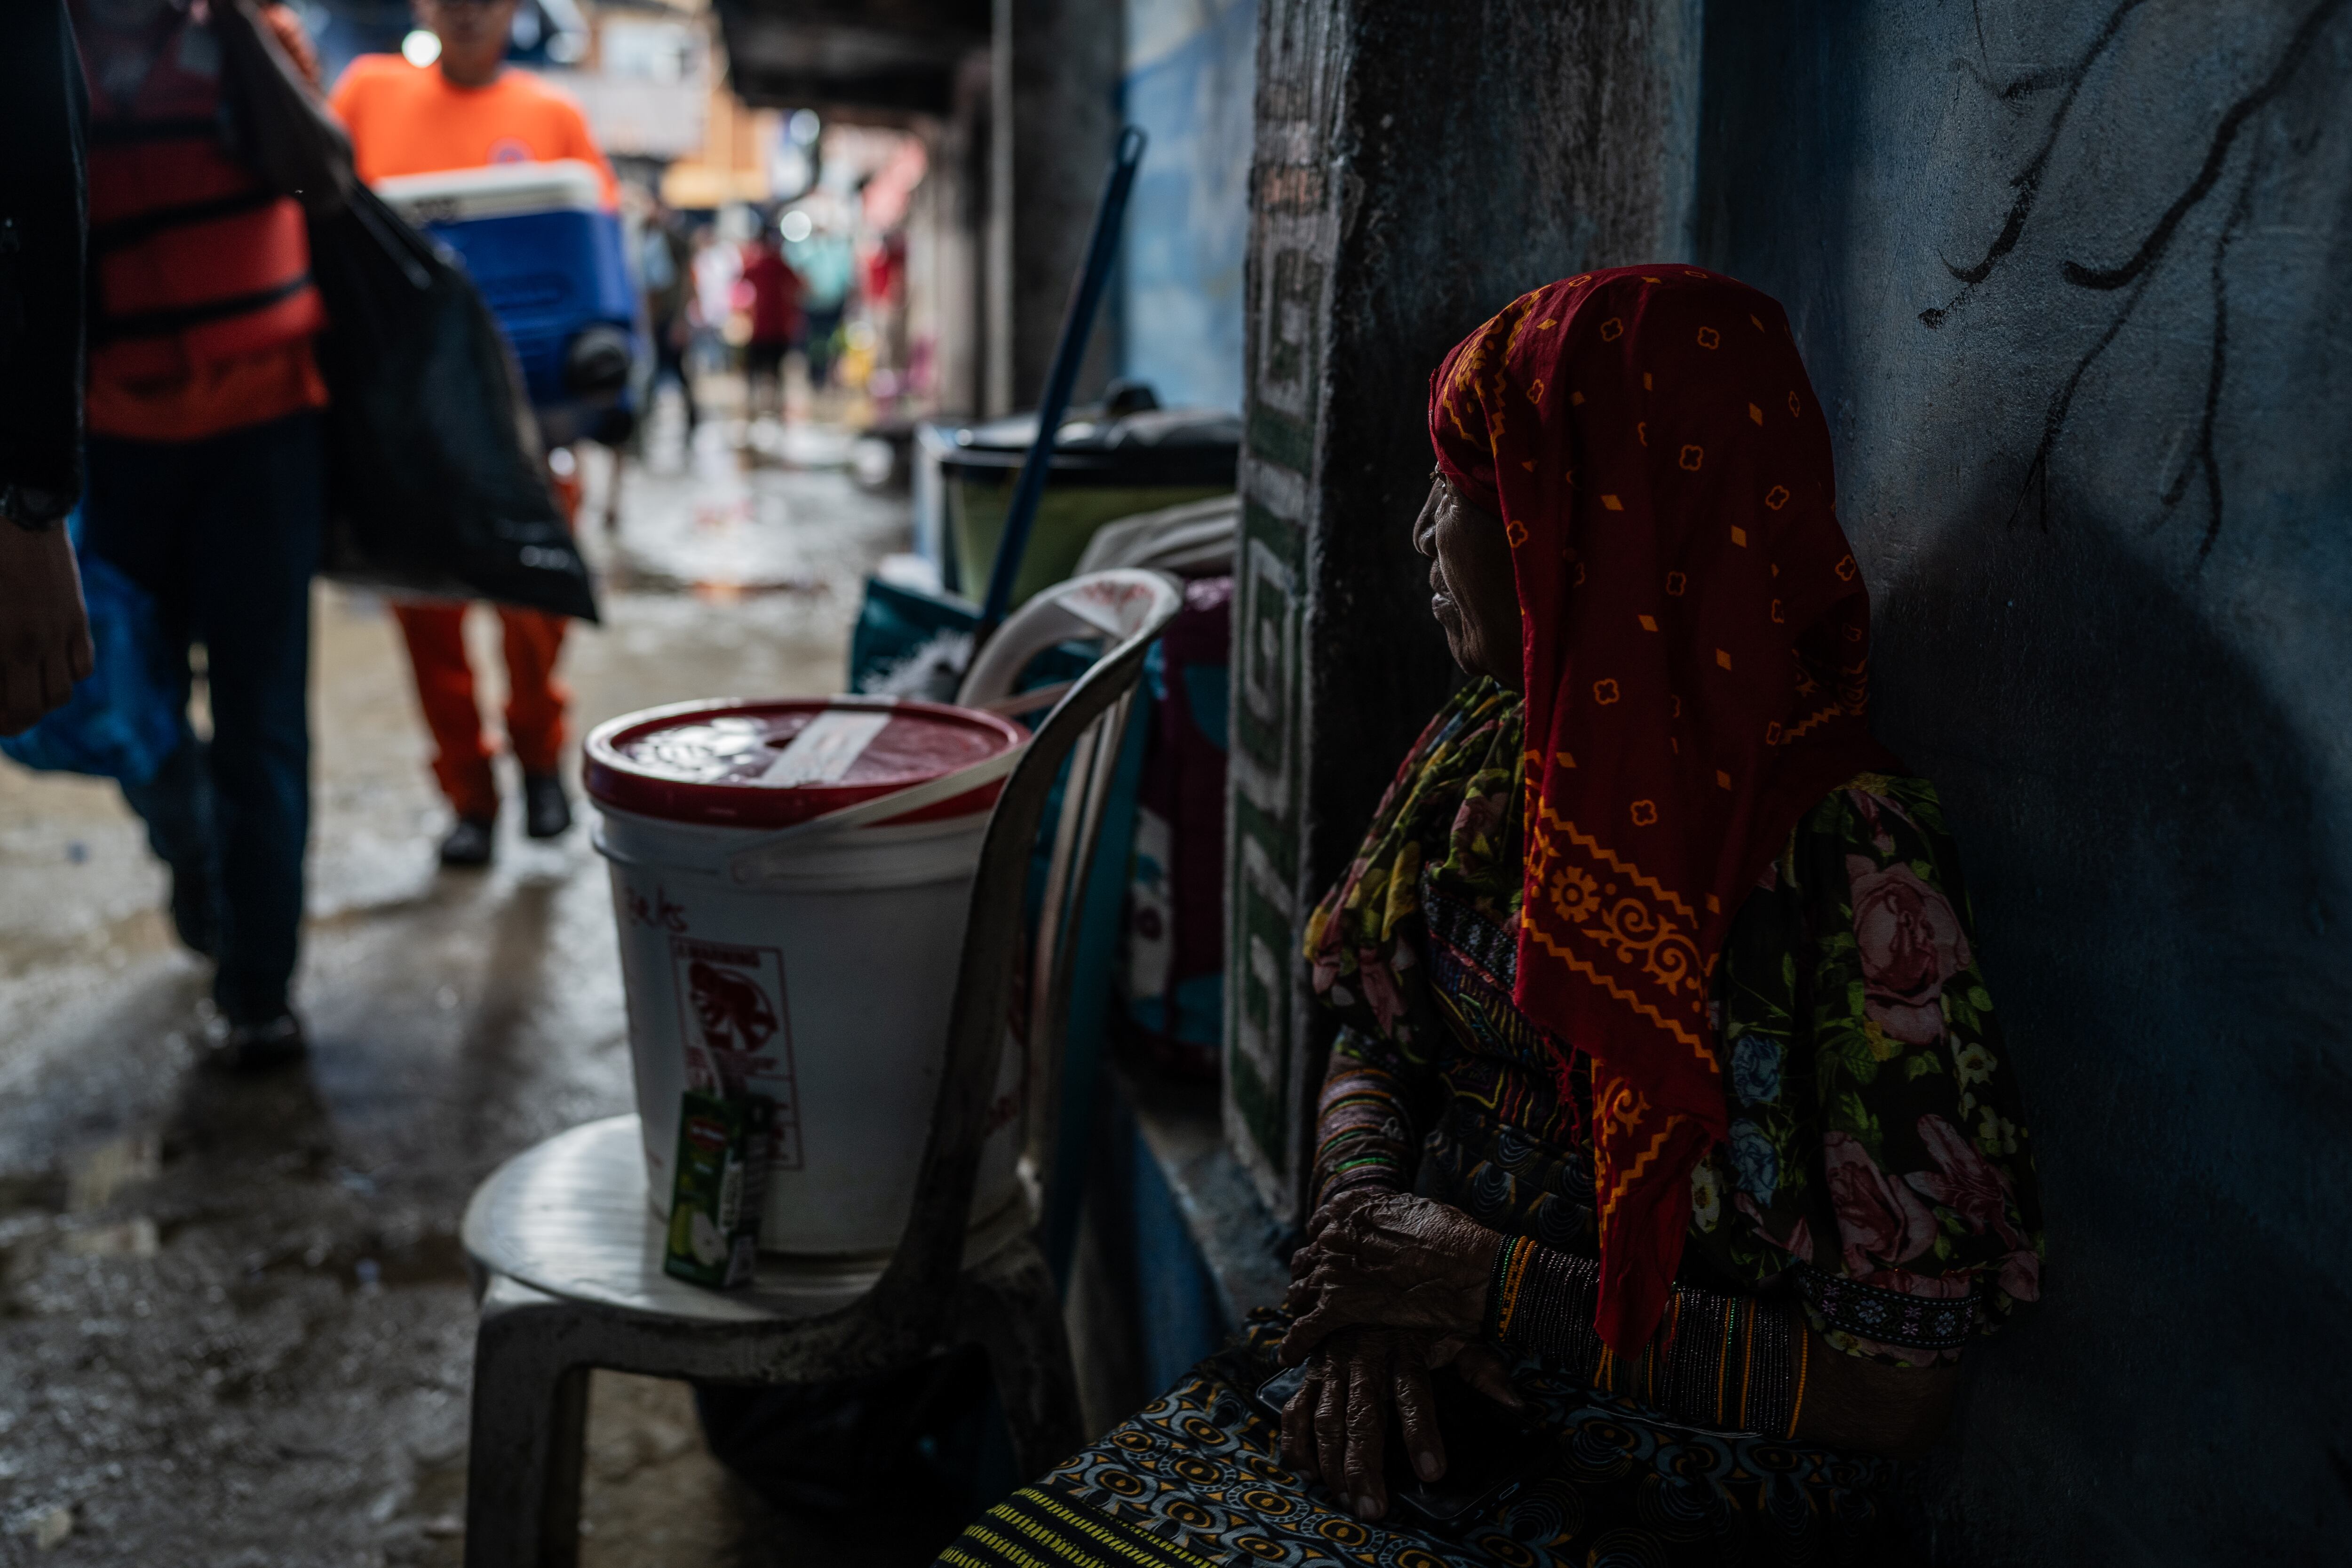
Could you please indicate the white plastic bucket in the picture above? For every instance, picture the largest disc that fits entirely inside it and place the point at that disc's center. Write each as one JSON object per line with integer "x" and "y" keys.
{"x": 824, "y": 968}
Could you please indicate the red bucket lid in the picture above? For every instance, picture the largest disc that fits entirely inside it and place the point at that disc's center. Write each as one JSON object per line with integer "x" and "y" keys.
{"x": 738, "y": 763}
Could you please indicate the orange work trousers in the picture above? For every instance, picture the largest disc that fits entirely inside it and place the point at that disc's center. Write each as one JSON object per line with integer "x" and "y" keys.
{"x": 536, "y": 700}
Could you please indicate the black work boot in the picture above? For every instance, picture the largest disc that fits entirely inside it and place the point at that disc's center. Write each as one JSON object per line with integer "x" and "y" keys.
{"x": 470, "y": 842}
{"x": 255, "y": 1045}
{"x": 546, "y": 810}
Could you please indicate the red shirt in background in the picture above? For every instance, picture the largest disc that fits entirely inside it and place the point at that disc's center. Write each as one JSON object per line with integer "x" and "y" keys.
{"x": 776, "y": 292}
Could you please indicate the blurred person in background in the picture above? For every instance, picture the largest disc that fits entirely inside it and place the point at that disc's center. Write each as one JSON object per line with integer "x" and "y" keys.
{"x": 467, "y": 110}
{"x": 883, "y": 288}
{"x": 666, "y": 265}
{"x": 775, "y": 310}
{"x": 827, "y": 266}
{"x": 717, "y": 266}
{"x": 207, "y": 468}
{"x": 44, "y": 644}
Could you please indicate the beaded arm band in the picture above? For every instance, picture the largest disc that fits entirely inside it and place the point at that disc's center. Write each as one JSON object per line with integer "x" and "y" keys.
{"x": 1727, "y": 1361}
{"x": 1543, "y": 1301}
{"x": 1362, "y": 1137}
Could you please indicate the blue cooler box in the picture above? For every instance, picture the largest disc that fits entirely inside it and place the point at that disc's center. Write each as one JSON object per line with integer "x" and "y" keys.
{"x": 548, "y": 258}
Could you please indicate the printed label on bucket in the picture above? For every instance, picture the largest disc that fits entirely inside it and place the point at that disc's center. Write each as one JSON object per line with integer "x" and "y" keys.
{"x": 828, "y": 747}
{"x": 737, "y": 1031}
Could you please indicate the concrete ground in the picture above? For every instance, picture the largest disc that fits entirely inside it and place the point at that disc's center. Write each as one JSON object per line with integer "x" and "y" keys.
{"x": 234, "y": 1327}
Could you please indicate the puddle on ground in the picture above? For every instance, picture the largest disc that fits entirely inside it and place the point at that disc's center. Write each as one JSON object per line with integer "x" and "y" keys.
{"x": 94, "y": 1176}
{"x": 32, "y": 1191}
{"x": 370, "y": 1263}
{"x": 37, "y": 1206}
{"x": 130, "y": 1239}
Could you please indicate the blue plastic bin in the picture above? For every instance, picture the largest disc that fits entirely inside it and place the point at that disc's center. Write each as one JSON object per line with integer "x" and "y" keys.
{"x": 548, "y": 258}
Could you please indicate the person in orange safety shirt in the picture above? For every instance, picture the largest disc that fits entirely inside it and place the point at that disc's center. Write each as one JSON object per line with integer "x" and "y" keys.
{"x": 467, "y": 110}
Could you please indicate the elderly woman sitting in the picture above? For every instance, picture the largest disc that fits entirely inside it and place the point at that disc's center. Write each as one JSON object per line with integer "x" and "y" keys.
{"x": 1669, "y": 1154}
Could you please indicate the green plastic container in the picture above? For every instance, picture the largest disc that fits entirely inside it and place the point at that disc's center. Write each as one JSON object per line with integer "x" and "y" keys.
{"x": 1104, "y": 468}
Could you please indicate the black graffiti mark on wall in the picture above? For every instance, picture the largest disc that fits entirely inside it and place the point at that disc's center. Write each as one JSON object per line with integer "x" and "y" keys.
{"x": 2027, "y": 182}
{"x": 2202, "y": 457}
{"x": 2139, "y": 266}
{"x": 2291, "y": 59}
{"x": 2035, "y": 487}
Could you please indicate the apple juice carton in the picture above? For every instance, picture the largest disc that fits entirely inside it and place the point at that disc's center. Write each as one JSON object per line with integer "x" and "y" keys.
{"x": 722, "y": 1179}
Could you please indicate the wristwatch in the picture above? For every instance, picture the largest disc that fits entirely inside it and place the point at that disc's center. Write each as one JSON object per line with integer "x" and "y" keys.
{"x": 34, "y": 511}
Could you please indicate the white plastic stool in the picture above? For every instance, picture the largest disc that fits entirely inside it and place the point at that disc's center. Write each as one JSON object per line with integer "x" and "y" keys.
{"x": 572, "y": 1257}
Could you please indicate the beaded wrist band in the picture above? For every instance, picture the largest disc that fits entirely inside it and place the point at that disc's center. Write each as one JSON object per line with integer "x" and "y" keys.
{"x": 1770, "y": 1358}
{"x": 1728, "y": 1362}
{"x": 1381, "y": 1171}
{"x": 1359, "y": 1156}
{"x": 1363, "y": 1139}
{"x": 1503, "y": 1286}
{"x": 1542, "y": 1301}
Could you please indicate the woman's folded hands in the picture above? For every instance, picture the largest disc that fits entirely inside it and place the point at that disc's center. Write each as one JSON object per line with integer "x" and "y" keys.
{"x": 1387, "y": 1260}
{"x": 1388, "y": 1289}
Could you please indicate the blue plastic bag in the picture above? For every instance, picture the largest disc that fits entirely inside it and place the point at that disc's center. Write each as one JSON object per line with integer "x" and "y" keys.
{"x": 122, "y": 720}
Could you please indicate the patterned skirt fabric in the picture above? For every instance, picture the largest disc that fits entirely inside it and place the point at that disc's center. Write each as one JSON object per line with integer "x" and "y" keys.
{"x": 1196, "y": 1478}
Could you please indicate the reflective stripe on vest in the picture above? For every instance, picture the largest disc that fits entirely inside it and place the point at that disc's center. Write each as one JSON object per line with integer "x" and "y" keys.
{"x": 192, "y": 258}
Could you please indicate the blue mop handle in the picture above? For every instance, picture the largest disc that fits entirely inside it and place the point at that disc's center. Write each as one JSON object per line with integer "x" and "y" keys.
{"x": 1078, "y": 326}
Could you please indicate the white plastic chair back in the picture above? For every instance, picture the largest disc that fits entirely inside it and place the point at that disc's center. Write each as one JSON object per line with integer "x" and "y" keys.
{"x": 1111, "y": 605}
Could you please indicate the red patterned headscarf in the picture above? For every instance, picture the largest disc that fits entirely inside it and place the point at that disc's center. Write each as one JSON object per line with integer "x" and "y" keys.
{"x": 1696, "y": 655}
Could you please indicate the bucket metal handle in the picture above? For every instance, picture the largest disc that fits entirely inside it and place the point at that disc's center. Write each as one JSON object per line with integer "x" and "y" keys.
{"x": 756, "y": 861}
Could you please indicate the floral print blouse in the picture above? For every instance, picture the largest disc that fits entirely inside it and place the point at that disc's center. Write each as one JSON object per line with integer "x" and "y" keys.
{"x": 1877, "y": 1165}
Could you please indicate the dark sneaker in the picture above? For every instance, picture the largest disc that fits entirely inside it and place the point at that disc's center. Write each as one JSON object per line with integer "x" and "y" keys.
{"x": 546, "y": 810}
{"x": 255, "y": 1046}
{"x": 470, "y": 842}
{"x": 192, "y": 912}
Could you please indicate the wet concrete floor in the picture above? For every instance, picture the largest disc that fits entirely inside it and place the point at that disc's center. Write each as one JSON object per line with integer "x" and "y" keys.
{"x": 234, "y": 1324}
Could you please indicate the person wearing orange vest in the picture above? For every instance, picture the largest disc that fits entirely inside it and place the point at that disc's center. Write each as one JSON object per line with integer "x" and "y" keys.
{"x": 206, "y": 462}
{"x": 466, "y": 110}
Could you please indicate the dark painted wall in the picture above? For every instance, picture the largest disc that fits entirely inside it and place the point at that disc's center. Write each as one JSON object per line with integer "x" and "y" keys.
{"x": 1056, "y": 65}
{"x": 2070, "y": 278}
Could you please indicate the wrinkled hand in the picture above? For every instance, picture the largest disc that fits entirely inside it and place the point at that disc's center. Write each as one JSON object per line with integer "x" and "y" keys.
{"x": 1335, "y": 1427}
{"x": 44, "y": 630}
{"x": 1387, "y": 1260}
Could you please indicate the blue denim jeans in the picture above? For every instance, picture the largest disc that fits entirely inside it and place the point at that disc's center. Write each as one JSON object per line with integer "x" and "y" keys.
{"x": 225, "y": 533}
